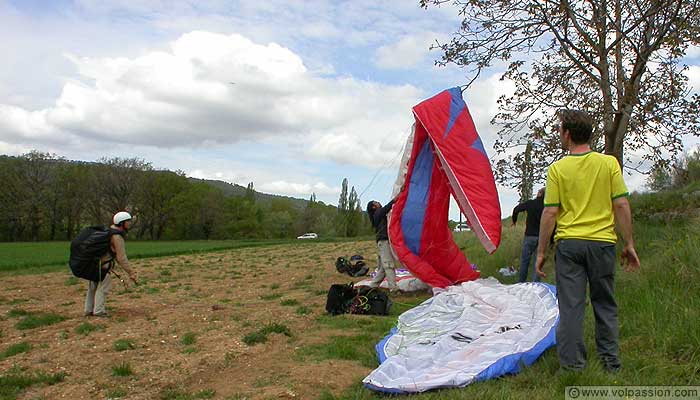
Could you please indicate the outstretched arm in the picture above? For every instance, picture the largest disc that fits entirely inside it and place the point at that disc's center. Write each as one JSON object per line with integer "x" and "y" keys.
{"x": 382, "y": 212}
{"x": 623, "y": 217}
{"x": 120, "y": 251}
{"x": 517, "y": 210}
{"x": 547, "y": 222}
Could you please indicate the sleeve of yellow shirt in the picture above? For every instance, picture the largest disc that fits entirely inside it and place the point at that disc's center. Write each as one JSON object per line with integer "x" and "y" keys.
{"x": 617, "y": 184}
{"x": 551, "y": 193}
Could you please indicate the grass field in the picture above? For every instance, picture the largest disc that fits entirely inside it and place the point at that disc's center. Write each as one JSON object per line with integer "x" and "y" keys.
{"x": 38, "y": 257}
{"x": 659, "y": 309}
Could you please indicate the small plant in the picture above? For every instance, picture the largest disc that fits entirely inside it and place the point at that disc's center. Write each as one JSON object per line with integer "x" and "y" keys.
{"x": 289, "y": 302}
{"x": 229, "y": 358}
{"x": 115, "y": 393}
{"x": 36, "y": 320}
{"x": 14, "y": 349}
{"x": 272, "y": 296}
{"x": 123, "y": 345}
{"x": 275, "y": 286}
{"x": 260, "y": 336}
{"x": 17, "y": 312}
{"x": 122, "y": 369}
{"x": 303, "y": 310}
{"x": 86, "y": 327}
{"x": 188, "y": 339}
{"x": 190, "y": 350}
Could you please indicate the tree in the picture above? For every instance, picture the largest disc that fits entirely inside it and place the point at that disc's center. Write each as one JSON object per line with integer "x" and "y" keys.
{"x": 526, "y": 174}
{"x": 341, "y": 219}
{"x": 249, "y": 193}
{"x": 353, "y": 214}
{"x": 154, "y": 199}
{"x": 619, "y": 60}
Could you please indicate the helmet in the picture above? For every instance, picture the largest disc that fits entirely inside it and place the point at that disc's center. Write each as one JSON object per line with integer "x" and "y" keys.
{"x": 120, "y": 217}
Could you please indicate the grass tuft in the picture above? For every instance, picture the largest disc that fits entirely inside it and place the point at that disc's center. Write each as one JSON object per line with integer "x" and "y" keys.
{"x": 17, "y": 348}
{"x": 122, "y": 369}
{"x": 37, "y": 320}
{"x": 261, "y": 335}
{"x": 123, "y": 345}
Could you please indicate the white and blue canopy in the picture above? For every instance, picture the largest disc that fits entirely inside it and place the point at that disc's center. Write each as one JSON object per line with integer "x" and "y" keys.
{"x": 475, "y": 331}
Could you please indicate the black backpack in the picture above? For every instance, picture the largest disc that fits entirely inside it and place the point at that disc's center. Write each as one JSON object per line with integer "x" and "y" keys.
{"x": 355, "y": 267}
{"x": 370, "y": 301}
{"x": 339, "y": 298}
{"x": 342, "y": 265}
{"x": 86, "y": 250}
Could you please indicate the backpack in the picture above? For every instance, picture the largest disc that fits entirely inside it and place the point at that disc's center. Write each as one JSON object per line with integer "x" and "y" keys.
{"x": 339, "y": 298}
{"x": 370, "y": 301}
{"x": 86, "y": 250}
{"x": 358, "y": 266}
{"x": 342, "y": 265}
{"x": 354, "y": 267}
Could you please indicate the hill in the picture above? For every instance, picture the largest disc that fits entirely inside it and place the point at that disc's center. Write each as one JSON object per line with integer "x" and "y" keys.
{"x": 238, "y": 190}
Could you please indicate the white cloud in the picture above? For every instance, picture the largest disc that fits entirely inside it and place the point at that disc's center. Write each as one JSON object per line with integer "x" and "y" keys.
{"x": 407, "y": 53}
{"x": 213, "y": 88}
{"x": 693, "y": 74}
{"x": 298, "y": 189}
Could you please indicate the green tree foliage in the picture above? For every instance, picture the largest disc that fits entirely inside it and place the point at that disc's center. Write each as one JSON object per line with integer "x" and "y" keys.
{"x": 46, "y": 197}
{"x": 622, "y": 61}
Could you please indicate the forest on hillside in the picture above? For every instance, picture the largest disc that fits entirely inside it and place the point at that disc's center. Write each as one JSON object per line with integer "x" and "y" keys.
{"x": 46, "y": 197}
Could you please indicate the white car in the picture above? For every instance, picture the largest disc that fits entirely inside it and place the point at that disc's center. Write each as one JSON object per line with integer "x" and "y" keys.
{"x": 461, "y": 228}
{"x": 310, "y": 235}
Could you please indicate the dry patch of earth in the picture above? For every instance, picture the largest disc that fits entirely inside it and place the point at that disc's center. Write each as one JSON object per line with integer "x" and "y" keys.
{"x": 182, "y": 330}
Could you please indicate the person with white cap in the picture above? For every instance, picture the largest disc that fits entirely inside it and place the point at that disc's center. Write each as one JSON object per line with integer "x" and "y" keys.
{"x": 97, "y": 291}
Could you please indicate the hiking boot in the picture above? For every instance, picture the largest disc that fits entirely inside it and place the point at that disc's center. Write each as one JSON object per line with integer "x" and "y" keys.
{"x": 101, "y": 315}
{"x": 87, "y": 314}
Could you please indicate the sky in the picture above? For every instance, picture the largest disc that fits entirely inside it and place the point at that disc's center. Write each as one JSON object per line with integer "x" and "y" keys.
{"x": 291, "y": 95}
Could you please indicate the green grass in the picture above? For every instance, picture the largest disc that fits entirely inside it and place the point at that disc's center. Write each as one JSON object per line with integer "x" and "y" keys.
{"x": 17, "y": 348}
{"x": 16, "y": 380}
{"x": 85, "y": 328}
{"x": 115, "y": 393}
{"x": 122, "y": 369}
{"x": 659, "y": 311}
{"x": 272, "y": 296}
{"x": 39, "y": 257}
{"x": 260, "y": 336}
{"x": 36, "y": 320}
{"x": 177, "y": 394}
{"x": 123, "y": 345}
{"x": 188, "y": 339}
{"x": 289, "y": 302}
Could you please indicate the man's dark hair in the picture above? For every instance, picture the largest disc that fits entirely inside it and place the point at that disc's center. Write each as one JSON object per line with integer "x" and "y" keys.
{"x": 578, "y": 123}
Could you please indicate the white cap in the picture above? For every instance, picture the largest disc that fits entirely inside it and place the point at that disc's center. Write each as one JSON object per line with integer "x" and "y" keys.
{"x": 120, "y": 217}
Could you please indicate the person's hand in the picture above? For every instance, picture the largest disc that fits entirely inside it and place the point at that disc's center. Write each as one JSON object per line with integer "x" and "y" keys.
{"x": 134, "y": 277}
{"x": 539, "y": 265}
{"x": 629, "y": 259}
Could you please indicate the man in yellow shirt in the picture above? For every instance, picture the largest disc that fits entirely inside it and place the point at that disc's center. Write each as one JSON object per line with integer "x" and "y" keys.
{"x": 585, "y": 196}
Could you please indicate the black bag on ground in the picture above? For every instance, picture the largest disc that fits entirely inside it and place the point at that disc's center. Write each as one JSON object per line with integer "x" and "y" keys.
{"x": 370, "y": 301}
{"x": 358, "y": 266}
{"x": 87, "y": 249}
{"x": 354, "y": 267}
{"x": 342, "y": 265}
{"x": 339, "y": 298}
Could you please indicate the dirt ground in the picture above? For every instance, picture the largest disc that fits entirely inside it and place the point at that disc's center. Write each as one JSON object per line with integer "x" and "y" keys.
{"x": 219, "y": 297}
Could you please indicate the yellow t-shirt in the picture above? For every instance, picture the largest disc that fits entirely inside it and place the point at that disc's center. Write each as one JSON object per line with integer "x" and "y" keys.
{"x": 584, "y": 186}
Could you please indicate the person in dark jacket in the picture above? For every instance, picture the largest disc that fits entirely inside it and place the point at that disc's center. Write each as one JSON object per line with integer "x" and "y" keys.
{"x": 532, "y": 231}
{"x": 377, "y": 215}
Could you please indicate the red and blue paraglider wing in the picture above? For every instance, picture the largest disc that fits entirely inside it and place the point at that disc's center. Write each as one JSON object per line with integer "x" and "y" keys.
{"x": 447, "y": 158}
